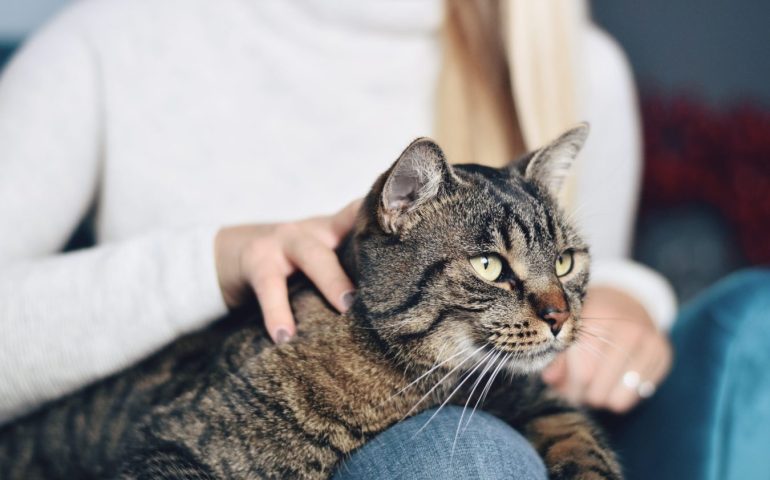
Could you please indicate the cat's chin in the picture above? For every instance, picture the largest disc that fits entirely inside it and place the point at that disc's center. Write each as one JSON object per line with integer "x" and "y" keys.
{"x": 532, "y": 362}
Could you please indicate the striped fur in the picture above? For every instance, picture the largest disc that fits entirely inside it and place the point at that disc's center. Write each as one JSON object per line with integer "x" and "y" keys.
{"x": 423, "y": 330}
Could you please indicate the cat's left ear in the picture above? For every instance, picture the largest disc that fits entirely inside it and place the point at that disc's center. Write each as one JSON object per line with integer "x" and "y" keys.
{"x": 417, "y": 177}
{"x": 550, "y": 165}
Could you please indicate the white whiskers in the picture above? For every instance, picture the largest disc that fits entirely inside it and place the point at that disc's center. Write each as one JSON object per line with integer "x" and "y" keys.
{"x": 444, "y": 378}
{"x": 489, "y": 360}
{"x": 430, "y": 370}
{"x": 488, "y": 385}
{"x": 459, "y": 385}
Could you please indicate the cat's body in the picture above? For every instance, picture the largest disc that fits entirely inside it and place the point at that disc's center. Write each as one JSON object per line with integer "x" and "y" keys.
{"x": 226, "y": 395}
{"x": 227, "y": 403}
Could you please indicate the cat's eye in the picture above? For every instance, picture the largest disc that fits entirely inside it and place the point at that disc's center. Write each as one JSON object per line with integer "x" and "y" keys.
{"x": 564, "y": 263}
{"x": 489, "y": 267}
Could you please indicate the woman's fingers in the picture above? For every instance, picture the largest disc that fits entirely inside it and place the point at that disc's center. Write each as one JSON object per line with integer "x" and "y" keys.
{"x": 572, "y": 371}
{"x": 620, "y": 355}
{"x": 648, "y": 370}
{"x": 644, "y": 367}
{"x": 625, "y": 394}
{"x": 611, "y": 352}
{"x": 323, "y": 268}
{"x": 263, "y": 257}
{"x": 661, "y": 364}
{"x": 273, "y": 296}
{"x": 555, "y": 374}
{"x": 624, "y": 348}
{"x": 303, "y": 251}
{"x": 582, "y": 364}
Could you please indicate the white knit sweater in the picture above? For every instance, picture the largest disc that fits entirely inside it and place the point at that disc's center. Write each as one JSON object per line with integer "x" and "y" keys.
{"x": 175, "y": 117}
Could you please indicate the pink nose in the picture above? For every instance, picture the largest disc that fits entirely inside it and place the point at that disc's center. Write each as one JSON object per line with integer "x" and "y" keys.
{"x": 554, "y": 318}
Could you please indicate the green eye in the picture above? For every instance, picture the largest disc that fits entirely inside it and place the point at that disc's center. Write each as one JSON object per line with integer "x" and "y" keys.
{"x": 488, "y": 267}
{"x": 564, "y": 263}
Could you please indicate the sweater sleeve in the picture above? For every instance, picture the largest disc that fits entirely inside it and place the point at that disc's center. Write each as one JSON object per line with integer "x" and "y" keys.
{"x": 69, "y": 319}
{"x": 609, "y": 178}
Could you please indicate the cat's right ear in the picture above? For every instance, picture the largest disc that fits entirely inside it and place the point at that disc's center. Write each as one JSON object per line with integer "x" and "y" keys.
{"x": 550, "y": 165}
{"x": 417, "y": 176}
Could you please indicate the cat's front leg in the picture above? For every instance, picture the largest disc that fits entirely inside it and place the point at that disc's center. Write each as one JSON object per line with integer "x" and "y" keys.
{"x": 571, "y": 447}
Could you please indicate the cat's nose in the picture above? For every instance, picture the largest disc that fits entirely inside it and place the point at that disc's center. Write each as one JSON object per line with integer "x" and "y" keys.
{"x": 555, "y": 318}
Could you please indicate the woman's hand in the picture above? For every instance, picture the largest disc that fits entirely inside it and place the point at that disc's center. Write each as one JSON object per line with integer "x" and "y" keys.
{"x": 620, "y": 355}
{"x": 261, "y": 257}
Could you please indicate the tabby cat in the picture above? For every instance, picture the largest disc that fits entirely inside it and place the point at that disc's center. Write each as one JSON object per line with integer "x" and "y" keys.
{"x": 463, "y": 272}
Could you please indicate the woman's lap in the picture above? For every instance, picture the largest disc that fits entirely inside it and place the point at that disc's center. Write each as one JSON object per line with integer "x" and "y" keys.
{"x": 487, "y": 449}
{"x": 711, "y": 418}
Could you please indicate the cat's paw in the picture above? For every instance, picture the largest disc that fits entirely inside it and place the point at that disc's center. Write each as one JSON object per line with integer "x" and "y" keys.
{"x": 584, "y": 475}
{"x": 597, "y": 467}
{"x": 573, "y": 449}
{"x": 581, "y": 457}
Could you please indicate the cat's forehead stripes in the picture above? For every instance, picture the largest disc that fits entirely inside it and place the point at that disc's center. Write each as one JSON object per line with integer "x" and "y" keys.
{"x": 523, "y": 210}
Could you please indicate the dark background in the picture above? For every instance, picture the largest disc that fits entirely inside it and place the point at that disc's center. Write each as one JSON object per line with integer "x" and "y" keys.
{"x": 718, "y": 50}
{"x": 703, "y": 70}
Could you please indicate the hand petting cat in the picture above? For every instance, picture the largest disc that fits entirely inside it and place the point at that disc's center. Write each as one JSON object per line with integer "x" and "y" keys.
{"x": 260, "y": 258}
{"x": 619, "y": 358}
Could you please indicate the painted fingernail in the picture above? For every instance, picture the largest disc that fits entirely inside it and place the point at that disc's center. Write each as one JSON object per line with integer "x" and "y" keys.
{"x": 347, "y": 299}
{"x": 282, "y": 336}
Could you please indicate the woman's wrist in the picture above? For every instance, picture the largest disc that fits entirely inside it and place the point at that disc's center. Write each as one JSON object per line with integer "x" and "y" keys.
{"x": 230, "y": 244}
{"x": 646, "y": 286}
{"x": 618, "y": 300}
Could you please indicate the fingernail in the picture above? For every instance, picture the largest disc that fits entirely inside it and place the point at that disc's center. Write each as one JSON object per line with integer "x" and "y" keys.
{"x": 282, "y": 336}
{"x": 347, "y": 299}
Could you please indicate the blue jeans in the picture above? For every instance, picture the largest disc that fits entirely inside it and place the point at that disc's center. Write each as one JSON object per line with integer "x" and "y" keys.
{"x": 710, "y": 420}
{"x": 487, "y": 449}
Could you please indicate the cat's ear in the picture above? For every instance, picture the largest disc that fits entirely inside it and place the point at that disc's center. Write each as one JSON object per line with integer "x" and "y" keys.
{"x": 550, "y": 165}
{"x": 416, "y": 177}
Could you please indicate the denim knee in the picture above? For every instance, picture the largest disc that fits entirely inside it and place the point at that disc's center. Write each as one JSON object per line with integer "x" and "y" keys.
{"x": 487, "y": 448}
{"x": 740, "y": 306}
{"x": 738, "y": 302}
{"x": 709, "y": 418}
{"x": 721, "y": 328}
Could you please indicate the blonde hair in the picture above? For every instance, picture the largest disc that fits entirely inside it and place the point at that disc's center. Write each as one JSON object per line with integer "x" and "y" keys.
{"x": 508, "y": 80}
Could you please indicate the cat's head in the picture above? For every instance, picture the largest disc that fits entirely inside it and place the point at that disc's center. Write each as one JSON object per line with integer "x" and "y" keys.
{"x": 459, "y": 263}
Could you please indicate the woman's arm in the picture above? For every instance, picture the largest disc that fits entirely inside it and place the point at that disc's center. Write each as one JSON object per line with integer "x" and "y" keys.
{"x": 69, "y": 319}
